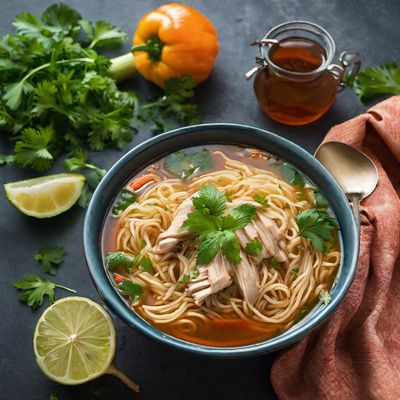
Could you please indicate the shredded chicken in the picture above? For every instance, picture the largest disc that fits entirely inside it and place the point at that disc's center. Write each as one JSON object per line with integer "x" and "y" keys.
{"x": 170, "y": 238}
{"x": 247, "y": 278}
{"x": 213, "y": 278}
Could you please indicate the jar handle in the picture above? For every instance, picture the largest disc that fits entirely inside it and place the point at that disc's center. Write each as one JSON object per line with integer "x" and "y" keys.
{"x": 350, "y": 63}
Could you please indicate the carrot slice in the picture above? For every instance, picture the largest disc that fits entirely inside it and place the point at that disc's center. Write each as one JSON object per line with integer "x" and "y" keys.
{"x": 138, "y": 183}
{"x": 119, "y": 278}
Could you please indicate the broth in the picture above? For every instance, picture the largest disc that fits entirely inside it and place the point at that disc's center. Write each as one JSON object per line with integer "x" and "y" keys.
{"x": 223, "y": 318}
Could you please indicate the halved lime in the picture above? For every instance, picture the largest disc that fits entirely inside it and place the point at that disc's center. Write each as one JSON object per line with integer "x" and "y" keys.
{"x": 74, "y": 342}
{"x": 46, "y": 196}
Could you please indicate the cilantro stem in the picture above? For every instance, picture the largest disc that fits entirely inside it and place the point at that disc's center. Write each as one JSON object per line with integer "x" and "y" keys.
{"x": 61, "y": 62}
{"x": 65, "y": 288}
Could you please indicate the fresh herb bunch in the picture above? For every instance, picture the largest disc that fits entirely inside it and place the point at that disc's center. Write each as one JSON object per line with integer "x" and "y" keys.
{"x": 381, "y": 80}
{"x": 56, "y": 92}
{"x": 216, "y": 230}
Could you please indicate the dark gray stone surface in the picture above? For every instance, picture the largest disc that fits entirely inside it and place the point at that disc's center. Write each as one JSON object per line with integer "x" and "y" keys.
{"x": 370, "y": 27}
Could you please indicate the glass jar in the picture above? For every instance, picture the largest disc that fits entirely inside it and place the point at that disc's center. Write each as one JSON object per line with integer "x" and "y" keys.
{"x": 295, "y": 79}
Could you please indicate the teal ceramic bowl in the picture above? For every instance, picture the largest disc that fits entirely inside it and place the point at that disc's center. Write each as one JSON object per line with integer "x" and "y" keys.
{"x": 157, "y": 147}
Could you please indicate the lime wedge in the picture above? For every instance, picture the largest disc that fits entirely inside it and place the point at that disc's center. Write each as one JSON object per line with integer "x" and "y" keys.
{"x": 74, "y": 342}
{"x": 46, "y": 196}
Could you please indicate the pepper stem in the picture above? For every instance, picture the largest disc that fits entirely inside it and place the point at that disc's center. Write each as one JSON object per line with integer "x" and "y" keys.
{"x": 153, "y": 47}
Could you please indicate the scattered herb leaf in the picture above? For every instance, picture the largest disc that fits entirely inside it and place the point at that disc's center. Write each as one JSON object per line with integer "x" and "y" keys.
{"x": 120, "y": 259}
{"x": 274, "y": 263}
{"x": 126, "y": 198}
{"x": 292, "y": 175}
{"x": 131, "y": 289}
{"x": 320, "y": 200}
{"x": 261, "y": 199}
{"x": 50, "y": 257}
{"x": 295, "y": 271}
{"x": 146, "y": 265}
{"x": 36, "y": 288}
{"x": 187, "y": 277}
{"x": 142, "y": 243}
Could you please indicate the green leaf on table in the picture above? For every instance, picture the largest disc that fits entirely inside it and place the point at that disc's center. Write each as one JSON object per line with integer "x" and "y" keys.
{"x": 184, "y": 164}
{"x": 4, "y": 160}
{"x": 50, "y": 257}
{"x": 35, "y": 289}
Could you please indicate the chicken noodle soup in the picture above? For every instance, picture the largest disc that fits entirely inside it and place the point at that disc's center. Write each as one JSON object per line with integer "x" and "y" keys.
{"x": 221, "y": 246}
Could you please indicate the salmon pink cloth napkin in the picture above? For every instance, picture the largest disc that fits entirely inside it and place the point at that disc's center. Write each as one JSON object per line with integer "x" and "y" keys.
{"x": 355, "y": 355}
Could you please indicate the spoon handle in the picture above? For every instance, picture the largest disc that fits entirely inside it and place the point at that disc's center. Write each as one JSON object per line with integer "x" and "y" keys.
{"x": 355, "y": 205}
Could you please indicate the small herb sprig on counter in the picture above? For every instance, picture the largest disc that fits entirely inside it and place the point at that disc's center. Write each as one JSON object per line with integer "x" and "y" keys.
{"x": 50, "y": 257}
{"x": 35, "y": 289}
{"x": 216, "y": 230}
{"x": 383, "y": 79}
{"x": 318, "y": 226}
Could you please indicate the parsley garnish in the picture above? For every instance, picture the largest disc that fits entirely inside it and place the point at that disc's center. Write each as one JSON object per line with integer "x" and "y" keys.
{"x": 184, "y": 164}
{"x": 50, "y": 257}
{"x": 292, "y": 175}
{"x": 319, "y": 199}
{"x": 216, "y": 231}
{"x": 295, "y": 271}
{"x": 146, "y": 265}
{"x": 36, "y": 288}
{"x": 254, "y": 247}
{"x": 131, "y": 289}
{"x": 325, "y": 297}
{"x": 318, "y": 226}
{"x": 120, "y": 259}
{"x": 383, "y": 79}
{"x": 261, "y": 199}
{"x": 274, "y": 263}
{"x": 126, "y": 198}
{"x": 187, "y": 277}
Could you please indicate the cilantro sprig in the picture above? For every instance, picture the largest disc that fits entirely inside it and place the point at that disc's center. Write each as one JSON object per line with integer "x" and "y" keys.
{"x": 254, "y": 247}
{"x": 35, "y": 289}
{"x": 216, "y": 230}
{"x": 318, "y": 226}
{"x": 50, "y": 257}
{"x": 131, "y": 289}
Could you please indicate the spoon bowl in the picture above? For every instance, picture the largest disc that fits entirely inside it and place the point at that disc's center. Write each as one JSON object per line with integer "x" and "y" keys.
{"x": 355, "y": 173}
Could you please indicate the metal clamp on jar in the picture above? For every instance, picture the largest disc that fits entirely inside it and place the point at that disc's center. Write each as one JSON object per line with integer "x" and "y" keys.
{"x": 296, "y": 81}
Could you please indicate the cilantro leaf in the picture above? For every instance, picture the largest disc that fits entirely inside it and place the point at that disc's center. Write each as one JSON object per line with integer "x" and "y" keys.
{"x": 261, "y": 199}
{"x": 319, "y": 200}
{"x": 50, "y": 257}
{"x": 4, "y": 160}
{"x": 102, "y": 33}
{"x": 295, "y": 271}
{"x": 184, "y": 164}
{"x": 32, "y": 149}
{"x": 383, "y": 79}
{"x": 274, "y": 263}
{"x": 325, "y": 297}
{"x": 231, "y": 247}
{"x": 188, "y": 277}
{"x": 131, "y": 289}
{"x": 201, "y": 224}
{"x": 239, "y": 217}
{"x": 292, "y": 175}
{"x": 210, "y": 200}
{"x": 62, "y": 16}
{"x": 35, "y": 289}
{"x": 15, "y": 92}
{"x": 254, "y": 247}
{"x": 120, "y": 259}
{"x": 146, "y": 265}
{"x": 209, "y": 246}
{"x": 53, "y": 396}
{"x": 126, "y": 198}
{"x": 318, "y": 226}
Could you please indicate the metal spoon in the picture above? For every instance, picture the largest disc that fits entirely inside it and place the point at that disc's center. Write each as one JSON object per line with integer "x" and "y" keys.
{"x": 355, "y": 173}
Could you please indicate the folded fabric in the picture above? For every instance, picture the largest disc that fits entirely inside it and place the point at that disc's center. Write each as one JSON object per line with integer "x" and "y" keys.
{"x": 355, "y": 355}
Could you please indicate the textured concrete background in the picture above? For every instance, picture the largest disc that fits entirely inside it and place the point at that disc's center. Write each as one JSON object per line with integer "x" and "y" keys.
{"x": 369, "y": 27}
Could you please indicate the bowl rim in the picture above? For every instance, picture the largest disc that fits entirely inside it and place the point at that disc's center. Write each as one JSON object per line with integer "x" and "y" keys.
{"x": 114, "y": 301}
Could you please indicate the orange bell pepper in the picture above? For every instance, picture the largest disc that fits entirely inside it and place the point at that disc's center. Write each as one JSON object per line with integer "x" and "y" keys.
{"x": 173, "y": 41}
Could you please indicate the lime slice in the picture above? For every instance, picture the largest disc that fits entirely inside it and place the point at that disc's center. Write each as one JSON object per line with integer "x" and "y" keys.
{"x": 46, "y": 196}
{"x": 74, "y": 342}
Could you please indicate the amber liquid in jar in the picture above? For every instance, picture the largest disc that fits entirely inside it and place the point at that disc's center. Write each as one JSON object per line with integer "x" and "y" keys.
{"x": 290, "y": 98}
